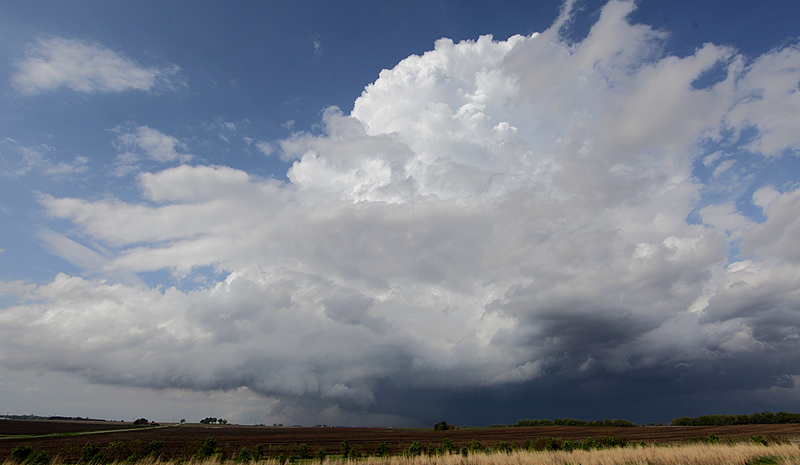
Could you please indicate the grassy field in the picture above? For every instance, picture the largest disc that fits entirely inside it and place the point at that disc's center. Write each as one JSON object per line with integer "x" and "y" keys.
{"x": 691, "y": 454}
{"x": 62, "y": 443}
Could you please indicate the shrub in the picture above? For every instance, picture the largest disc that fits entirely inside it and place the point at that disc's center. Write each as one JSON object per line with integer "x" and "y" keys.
{"x": 414, "y": 449}
{"x": 207, "y": 449}
{"x": 344, "y": 448}
{"x": 447, "y": 445}
{"x": 258, "y": 452}
{"x": 321, "y": 455}
{"x": 502, "y": 446}
{"x": 38, "y": 458}
{"x": 153, "y": 449}
{"x": 91, "y": 453}
{"x": 545, "y": 443}
{"x": 243, "y": 455}
{"x": 382, "y": 450}
{"x": 20, "y": 453}
{"x": 475, "y": 446}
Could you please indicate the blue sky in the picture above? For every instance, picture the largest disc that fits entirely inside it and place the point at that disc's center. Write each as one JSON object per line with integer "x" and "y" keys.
{"x": 387, "y": 213}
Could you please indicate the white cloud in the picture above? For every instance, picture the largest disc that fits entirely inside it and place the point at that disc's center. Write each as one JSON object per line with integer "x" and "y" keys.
{"x": 137, "y": 143}
{"x": 18, "y": 160}
{"x": 82, "y": 66}
{"x": 769, "y": 102}
{"x": 490, "y": 213}
{"x": 264, "y": 147}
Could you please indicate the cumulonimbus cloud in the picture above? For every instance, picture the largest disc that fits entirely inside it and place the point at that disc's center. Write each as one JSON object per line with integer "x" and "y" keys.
{"x": 491, "y": 214}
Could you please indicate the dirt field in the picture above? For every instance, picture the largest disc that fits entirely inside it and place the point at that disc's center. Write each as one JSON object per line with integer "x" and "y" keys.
{"x": 184, "y": 440}
{"x": 58, "y": 426}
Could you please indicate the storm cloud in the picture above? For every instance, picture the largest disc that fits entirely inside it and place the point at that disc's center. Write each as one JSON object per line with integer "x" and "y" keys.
{"x": 525, "y": 228}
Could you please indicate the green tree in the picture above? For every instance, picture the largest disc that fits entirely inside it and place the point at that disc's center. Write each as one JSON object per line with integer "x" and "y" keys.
{"x": 441, "y": 426}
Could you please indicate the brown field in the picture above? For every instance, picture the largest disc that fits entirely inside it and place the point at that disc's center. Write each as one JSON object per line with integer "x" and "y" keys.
{"x": 184, "y": 440}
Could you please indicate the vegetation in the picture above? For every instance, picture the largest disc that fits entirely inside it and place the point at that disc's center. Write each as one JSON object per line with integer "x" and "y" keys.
{"x": 568, "y": 452}
{"x": 765, "y": 418}
{"x": 574, "y": 422}
{"x": 213, "y": 421}
{"x": 442, "y": 426}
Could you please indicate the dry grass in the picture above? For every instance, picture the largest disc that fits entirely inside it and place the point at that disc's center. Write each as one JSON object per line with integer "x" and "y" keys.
{"x": 700, "y": 454}
{"x": 696, "y": 454}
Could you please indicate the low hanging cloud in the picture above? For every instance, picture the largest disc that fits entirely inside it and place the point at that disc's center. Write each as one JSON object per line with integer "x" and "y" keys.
{"x": 88, "y": 67}
{"x": 491, "y": 216}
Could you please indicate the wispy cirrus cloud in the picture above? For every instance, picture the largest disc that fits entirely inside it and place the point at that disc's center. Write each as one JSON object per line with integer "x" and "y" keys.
{"x": 18, "y": 160}
{"x": 89, "y": 67}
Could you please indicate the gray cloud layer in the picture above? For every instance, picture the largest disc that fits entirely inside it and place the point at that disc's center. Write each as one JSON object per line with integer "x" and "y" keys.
{"x": 498, "y": 230}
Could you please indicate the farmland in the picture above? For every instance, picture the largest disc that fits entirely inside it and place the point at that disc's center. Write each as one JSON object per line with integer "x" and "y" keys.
{"x": 183, "y": 441}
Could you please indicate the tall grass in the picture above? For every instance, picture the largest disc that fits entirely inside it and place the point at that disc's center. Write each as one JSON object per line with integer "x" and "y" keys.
{"x": 693, "y": 454}
{"x": 700, "y": 454}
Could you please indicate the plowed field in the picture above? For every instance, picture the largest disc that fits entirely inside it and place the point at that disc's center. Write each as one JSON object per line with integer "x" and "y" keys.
{"x": 184, "y": 440}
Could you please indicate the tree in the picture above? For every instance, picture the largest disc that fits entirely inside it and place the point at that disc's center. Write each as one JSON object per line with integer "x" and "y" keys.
{"x": 442, "y": 426}
{"x": 141, "y": 421}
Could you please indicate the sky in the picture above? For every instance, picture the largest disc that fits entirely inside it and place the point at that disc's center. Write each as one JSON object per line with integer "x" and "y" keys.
{"x": 393, "y": 213}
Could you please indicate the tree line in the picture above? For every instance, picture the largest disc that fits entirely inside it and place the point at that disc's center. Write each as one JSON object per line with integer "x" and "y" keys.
{"x": 574, "y": 422}
{"x": 764, "y": 418}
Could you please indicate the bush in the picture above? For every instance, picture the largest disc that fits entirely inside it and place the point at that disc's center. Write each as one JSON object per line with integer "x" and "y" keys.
{"x": 502, "y": 446}
{"x": 208, "y": 449}
{"x": 321, "y": 455}
{"x": 91, "y": 453}
{"x": 258, "y": 452}
{"x": 414, "y": 449}
{"x": 243, "y": 455}
{"x": 344, "y": 448}
{"x": 20, "y": 453}
{"x": 475, "y": 446}
{"x": 38, "y": 458}
{"x": 547, "y": 443}
{"x": 153, "y": 449}
{"x": 382, "y": 450}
